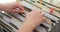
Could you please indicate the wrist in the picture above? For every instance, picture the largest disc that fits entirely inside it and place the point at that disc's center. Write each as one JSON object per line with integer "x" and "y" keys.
{"x": 28, "y": 26}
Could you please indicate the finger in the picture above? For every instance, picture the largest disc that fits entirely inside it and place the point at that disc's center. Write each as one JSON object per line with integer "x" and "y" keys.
{"x": 42, "y": 14}
{"x": 27, "y": 14}
{"x": 36, "y": 11}
{"x": 20, "y": 6}
{"x": 19, "y": 10}
{"x": 16, "y": 11}
{"x": 44, "y": 18}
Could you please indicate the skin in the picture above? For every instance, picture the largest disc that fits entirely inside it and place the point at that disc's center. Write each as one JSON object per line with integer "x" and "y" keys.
{"x": 11, "y": 7}
{"x": 33, "y": 18}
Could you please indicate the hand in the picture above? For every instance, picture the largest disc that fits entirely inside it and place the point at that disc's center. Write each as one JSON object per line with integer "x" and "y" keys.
{"x": 35, "y": 17}
{"x": 11, "y": 7}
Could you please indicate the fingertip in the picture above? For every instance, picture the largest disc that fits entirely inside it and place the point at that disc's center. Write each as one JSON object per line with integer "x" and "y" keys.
{"x": 16, "y": 11}
{"x": 44, "y": 18}
{"x": 20, "y": 12}
{"x": 38, "y": 11}
{"x": 21, "y": 6}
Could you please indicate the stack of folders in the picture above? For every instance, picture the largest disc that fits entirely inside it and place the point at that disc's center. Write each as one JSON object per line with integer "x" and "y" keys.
{"x": 12, "y": 22}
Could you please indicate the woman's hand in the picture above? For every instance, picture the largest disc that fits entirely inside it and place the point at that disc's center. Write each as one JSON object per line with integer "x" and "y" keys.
{"x": 11, "y": 7}
{"x": 33, "y": 19}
